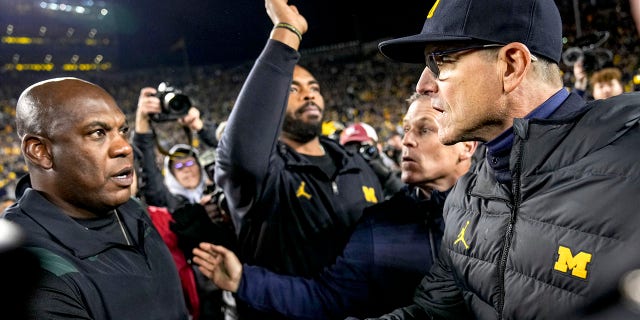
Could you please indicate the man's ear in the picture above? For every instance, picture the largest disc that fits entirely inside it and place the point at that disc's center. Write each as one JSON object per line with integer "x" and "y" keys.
{"x": 37, "y": 150}
{"x": 469, "y": 147}
{"x": 517, "y": 59}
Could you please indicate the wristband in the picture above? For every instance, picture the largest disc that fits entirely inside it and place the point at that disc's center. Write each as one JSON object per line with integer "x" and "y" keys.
{"x": 290, "y": 28}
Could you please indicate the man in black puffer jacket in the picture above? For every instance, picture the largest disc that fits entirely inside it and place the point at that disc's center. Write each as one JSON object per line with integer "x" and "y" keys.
{"x": 531, "y": 232}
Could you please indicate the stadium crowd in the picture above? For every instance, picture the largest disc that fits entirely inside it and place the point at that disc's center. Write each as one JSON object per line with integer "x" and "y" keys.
{"x": 363, "y": 87}
{"x": 359, "y": 86}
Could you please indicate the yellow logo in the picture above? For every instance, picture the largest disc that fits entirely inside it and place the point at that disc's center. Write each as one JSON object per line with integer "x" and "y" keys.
{"x": 577, "y": 264}
{"x": 301, "y": 192}
{"x": 461, "y": 236}
{"x": 433, "y": 9}
{"x": 369, "y": 194}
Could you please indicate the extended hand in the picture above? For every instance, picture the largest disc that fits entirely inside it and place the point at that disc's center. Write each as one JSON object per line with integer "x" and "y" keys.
{"x": 219, "y": 265}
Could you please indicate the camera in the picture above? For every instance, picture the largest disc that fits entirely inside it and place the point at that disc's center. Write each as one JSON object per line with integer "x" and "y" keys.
{"x": 174, "y": 105}
{"x": 217, "y": 208}
{"x": 368, "y": 152}
{"x": 587, "y": 48}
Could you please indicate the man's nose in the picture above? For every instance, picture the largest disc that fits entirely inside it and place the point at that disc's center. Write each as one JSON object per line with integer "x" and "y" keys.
{"x": 427, "y": 84}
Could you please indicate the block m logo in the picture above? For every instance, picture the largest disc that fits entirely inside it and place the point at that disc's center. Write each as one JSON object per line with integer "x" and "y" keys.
{"x": 577, "y": 264}
{"x": 369, "y": 194}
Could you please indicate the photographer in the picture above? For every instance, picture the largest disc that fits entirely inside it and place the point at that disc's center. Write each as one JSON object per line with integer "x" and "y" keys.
{"x": 588, "y": 58}
{"x": 362, "y": 139}
{"x": 185, "y": 189}
{"x": 604, "y": 83}
{"x": 185, "y": 180}
{"x": 393, "y": 148}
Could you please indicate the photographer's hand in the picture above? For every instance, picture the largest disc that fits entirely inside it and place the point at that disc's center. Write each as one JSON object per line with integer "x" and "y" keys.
{"x": 580, "y": 75}
{"x": 147, "y": 103}
{"x": 192, "y": 120}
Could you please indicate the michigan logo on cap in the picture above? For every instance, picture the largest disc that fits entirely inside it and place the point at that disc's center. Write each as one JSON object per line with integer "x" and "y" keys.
{"x": 433, "y": 9}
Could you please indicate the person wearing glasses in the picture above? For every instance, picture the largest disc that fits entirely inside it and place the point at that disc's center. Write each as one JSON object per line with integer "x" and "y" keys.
{"x": 538, "y": 228}
{"x": 185, "y": 180}
{"x": 183, "y": 194}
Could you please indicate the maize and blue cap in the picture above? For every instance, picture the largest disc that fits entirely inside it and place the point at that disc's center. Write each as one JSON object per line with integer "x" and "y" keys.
{"x": 535, "y": 23}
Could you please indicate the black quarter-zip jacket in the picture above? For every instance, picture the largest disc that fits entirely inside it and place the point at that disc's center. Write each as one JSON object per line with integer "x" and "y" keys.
{"x": 291, "y": 217}
{"x": 88, "y": 275}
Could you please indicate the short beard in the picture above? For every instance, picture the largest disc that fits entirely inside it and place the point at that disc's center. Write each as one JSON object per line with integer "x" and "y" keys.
{"x": 300, "y": 131}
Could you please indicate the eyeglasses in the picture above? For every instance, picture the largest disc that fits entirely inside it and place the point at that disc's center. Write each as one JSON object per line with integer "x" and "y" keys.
{"x": 186, "y": 164}
{"x": 436, "y": 59}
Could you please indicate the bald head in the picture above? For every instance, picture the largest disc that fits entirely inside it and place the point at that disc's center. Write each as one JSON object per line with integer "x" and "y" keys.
{"x": 41, "y": 106}
{"x": 75, "y": 142}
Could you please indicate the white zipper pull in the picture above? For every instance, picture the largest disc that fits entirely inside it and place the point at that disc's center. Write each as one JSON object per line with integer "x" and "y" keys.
{"x": 334, "y": 186}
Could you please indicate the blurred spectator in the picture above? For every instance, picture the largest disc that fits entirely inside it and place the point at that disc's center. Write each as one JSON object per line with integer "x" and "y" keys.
{"x": 603, "y": 83}
{"x": 362, "y": 139}
{"x": 6, "y": 198}
{"x": 19, "y": 272}
{"x": 606, "y": 83}
{"x": 393, "y": 148}
{"x": 220, "y": 130}
{"x": 581, "y": 83}
{"x": 332, "y": 129}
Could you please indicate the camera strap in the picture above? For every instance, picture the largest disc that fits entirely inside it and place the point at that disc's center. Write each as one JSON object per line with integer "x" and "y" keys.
{"x": 164, "y": 151}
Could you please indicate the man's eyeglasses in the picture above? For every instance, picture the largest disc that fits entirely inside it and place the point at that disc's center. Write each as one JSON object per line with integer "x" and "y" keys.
{"x": 186, "y": 164}
{"x": 436, "y": 59}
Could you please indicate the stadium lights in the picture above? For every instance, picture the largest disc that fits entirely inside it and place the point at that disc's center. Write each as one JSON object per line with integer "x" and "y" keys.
{"x": 49, "y": 67}
{"x": 85, "y": 8}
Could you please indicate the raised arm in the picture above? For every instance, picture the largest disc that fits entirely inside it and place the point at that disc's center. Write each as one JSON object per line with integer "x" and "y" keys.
{"x": 246, "y": 152}
{"x": 152, "y": 187}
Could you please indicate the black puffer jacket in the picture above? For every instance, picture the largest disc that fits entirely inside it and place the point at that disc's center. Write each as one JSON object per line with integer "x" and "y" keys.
{"x": 543, "y": 248}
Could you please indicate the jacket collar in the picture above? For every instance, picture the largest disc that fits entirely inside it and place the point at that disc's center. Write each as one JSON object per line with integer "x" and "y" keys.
{"x": 344, "y": 159}
{"x": 80, "y": 241}
{"x": 572, "y": 132}
{"x": 579, "y": 133}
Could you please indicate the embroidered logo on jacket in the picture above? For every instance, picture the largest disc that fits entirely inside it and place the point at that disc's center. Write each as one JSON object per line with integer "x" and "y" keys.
{"x": 577, "y": 264}
{"x": 460, "y": 237}
{"x": 301, "y": 192}
{"x": 369, "y": 194}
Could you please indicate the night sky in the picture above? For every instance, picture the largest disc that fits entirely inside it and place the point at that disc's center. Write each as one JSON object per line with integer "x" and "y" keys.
{"x": 235, "y": 31}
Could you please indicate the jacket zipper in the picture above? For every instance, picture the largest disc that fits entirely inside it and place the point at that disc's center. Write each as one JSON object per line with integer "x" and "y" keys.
{"x": 334, "y": 187}
{"x": 502, "y": 265}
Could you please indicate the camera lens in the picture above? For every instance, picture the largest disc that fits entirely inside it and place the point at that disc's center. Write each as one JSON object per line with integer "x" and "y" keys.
{"x": 177, "y": 103}
{"x": 368, "y": 152}
{"x": 174, "y": 104}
